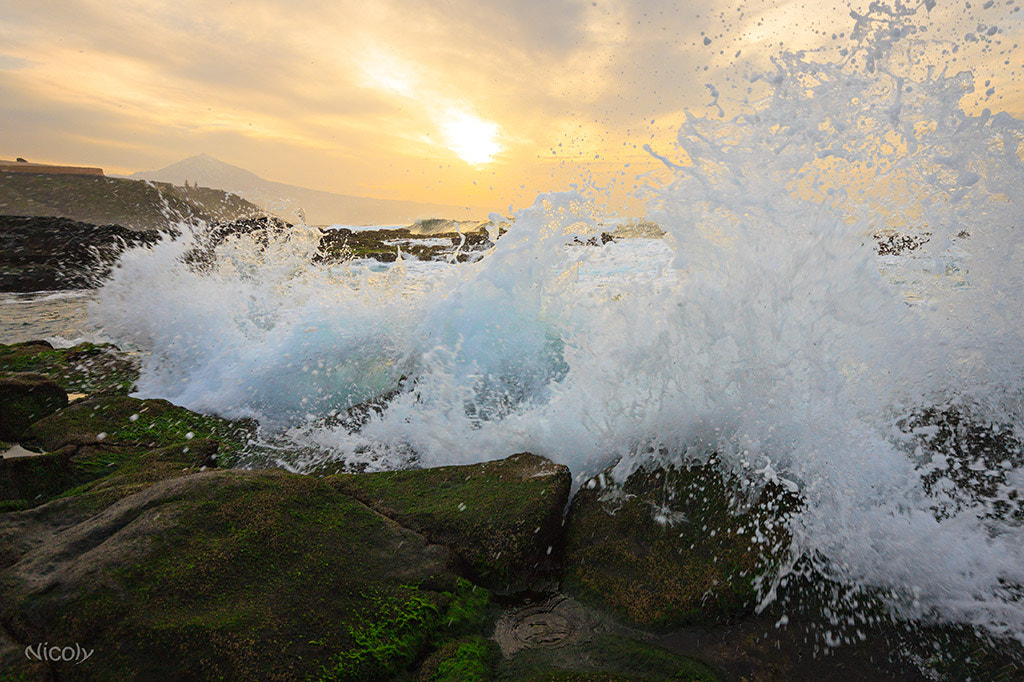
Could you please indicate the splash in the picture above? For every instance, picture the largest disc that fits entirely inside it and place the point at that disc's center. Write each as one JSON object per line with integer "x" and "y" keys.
{"x": 764, "y": 327}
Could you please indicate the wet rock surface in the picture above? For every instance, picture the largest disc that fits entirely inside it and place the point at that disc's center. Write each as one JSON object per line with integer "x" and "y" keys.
{"x": 25, "y": 398}
{"x": 503, "y": 518}
{"x": 85, "y": 368}
{"x": 237, "y": 575}
{"x": 38, "y": 254}
{"x": 671, "y": 546}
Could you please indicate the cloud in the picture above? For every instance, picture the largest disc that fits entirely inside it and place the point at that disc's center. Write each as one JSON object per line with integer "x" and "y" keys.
{"x": 352, "y": 96}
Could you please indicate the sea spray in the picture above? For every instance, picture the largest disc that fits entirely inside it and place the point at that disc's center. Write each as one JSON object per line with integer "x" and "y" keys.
{"x": 764, "y": 328}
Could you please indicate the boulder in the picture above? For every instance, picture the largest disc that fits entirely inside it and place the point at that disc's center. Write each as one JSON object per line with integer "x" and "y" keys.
{"x": 118, "y": 425}
{"x": 233, "y": 575}
{"x": 503, "y": 518}
{"x": 25, "y": 481}
{"x": 26, "y": 398}
{"x": 85, "y": 368}
{"x": 103, "y": 435}
{"x": 672, "y": 546}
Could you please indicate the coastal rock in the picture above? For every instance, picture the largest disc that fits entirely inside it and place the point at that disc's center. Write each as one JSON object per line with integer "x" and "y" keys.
{"x": 119, "y": 424}
{"x": 26, "y": 397}
{"x": 672, "y": 546}
{"x": 39, "y": 254}
{"x": 103, "y": 435}
{"x": 29, "y": 481}
{"x": 503, "y": 518}
{"x": 236, "y": 575}
{"x": 468, "y": 659}
{"x": 85, "y": 368}
{"x": 25, "y": 481}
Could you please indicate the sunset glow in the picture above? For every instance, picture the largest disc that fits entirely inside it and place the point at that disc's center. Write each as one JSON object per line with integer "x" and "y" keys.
{"x": 480, "y": 104}
{"x": 472, "y": 138}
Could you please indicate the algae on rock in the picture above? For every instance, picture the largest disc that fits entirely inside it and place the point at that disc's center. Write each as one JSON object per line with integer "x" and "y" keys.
{"x": 85, "y": 368}
{"x": 672, "y": 546}
{"x": 503, "y": 518}
{"x": 238, "y": 575}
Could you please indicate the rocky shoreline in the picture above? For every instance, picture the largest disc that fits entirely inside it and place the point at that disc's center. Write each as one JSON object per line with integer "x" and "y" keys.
{"x": 131, "y": 536}
{"x": 51, "y": 254}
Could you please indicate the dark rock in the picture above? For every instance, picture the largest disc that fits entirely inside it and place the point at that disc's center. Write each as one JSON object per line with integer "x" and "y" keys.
{"x": 88, "y": 491}
{"x": 57, "y": 253}
{"x": 502, "y": 518}
{"x": 235, "y": 575}
{"x": 893, "y": 244}
{"x": 202, "y": 255}
{"x": 25, "y": 398}
{"x": 673, "y": 546}
{"x": 965, "y": 459}
{"x": 25, "y": 481}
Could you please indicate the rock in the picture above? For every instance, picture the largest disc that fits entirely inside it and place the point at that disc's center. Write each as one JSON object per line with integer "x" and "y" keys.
{"x": 85, "y": 368}
{"x": 503, "y": 518}
{"x": 39, "y": 254}
{"x": 234, "y": 575}
{"x": 964, "y": 460}
{"x": 673, "y": 546}
{"x": 28, "y": 480}
{"x": 469, "y": 659}
{"x": 103, "y": 435}
{"x": 25, "y": 398}
{"x": 605, "y": 658}
{"x": 117, "y": 424}
{"x": 86, "y": 494}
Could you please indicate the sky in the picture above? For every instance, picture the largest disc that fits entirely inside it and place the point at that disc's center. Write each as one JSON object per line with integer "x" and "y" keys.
{"x": 465, "y": 102}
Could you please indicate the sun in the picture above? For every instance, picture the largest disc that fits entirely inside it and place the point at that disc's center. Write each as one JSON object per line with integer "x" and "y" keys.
{"x": 471, "y": 137}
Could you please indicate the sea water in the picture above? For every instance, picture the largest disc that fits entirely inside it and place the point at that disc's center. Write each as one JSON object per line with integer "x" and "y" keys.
{"x": 764, "y": 327}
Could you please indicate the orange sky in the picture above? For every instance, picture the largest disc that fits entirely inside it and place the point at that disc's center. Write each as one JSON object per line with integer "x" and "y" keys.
{"x": 465, "y": 102}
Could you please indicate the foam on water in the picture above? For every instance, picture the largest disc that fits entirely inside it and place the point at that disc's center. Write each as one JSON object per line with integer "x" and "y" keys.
{"x": 764, "y": 327}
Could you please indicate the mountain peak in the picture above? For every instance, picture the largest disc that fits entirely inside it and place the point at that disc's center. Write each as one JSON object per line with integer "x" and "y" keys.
{"x": 292, "y": 202}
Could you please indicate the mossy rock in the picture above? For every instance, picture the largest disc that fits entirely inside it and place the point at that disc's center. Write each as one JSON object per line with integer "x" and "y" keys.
{"x": 673, "y": 546}
{"x": 503, "y": 517}
{"x": 614, "y": 658}
{"x": 468, "y": 659}
{"x": 117, "y": 426}
{"x": 237, "y": 575}
{"x": 25, "y": 481}
{"x": 26, "y": 397}
{"x": 85, "y": 368}
{"x": 141, "y": 441}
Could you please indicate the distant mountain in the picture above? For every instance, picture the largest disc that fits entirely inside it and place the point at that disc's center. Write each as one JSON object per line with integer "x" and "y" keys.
{"x": 100, "y": 200}
{"x": 286, "y": 201}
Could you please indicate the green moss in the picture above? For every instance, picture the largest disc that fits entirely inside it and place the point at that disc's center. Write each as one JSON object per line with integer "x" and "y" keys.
{"x": 470, "y": 659}
{"x": 26, "y": 397}
{"x": 240, "y": 575}
{"x": 24, "y": 480}
{"x": 133, "y": 442}
{"x": 396, "y": 631}
{"x": 503, "y": 518}
{"x": 85, "y": 368}
{"x": 120, "y": 426}
{"x": 674, "y": 546}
